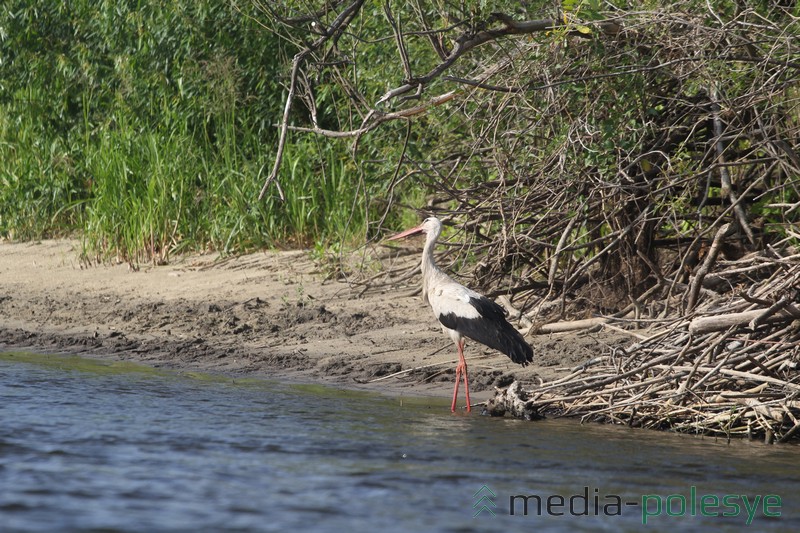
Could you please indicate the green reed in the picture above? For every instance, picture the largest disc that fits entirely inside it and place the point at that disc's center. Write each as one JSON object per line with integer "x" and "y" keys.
{"x": 148, "y": 130}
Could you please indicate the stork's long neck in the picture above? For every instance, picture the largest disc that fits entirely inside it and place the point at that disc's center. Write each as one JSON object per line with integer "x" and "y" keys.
{"x": 429, "y": 268}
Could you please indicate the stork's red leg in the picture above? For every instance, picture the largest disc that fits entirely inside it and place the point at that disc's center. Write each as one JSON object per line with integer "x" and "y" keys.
{"x": 463, "y": 364}
{"x": 455, "y": 389}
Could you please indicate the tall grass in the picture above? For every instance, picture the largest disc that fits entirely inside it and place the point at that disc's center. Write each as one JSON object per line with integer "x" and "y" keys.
{"x": 146, "y": 128}
{"x": 138, "y": 195}
{"x": 40, "y": 187}
{"x": 154, "y": 194}
{"x": 323, "y": 196}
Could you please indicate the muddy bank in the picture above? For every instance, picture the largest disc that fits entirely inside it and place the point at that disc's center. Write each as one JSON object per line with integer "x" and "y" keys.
{"x": 268, "y": 314}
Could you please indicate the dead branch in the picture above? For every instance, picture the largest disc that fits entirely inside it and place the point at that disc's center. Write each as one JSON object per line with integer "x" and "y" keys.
{"x": 730, "y": 374}
{"x": 332, "y": 32}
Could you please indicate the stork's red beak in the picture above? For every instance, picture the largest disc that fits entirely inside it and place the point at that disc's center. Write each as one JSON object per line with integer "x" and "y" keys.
{"x": 406, "y": 233}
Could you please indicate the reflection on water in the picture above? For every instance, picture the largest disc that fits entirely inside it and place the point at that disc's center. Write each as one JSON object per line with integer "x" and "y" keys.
{"x": 87, "y": 445}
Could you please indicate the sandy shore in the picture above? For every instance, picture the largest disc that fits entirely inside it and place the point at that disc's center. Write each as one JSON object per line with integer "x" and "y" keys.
{"x": 265, "y": 314}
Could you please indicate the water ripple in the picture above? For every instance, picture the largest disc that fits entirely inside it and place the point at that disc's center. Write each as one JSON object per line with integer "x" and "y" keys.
{"x": 85, "y": 449}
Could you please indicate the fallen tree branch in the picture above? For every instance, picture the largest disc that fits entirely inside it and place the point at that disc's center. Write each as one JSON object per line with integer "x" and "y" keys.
{"x": 707, "y": 324}
{"x": 711, "y": 256}
{"x": 572, "y": 325}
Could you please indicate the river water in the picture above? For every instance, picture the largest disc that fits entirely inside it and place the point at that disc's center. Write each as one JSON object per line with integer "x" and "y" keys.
{"x": 87, "y": 445}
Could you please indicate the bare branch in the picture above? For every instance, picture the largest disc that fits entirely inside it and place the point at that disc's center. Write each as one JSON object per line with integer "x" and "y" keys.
{"x": 335, "y": 29}
{"x": 398, "y": 36}
{"x": 466, "y": 42}
{"x": 376, "y": 118}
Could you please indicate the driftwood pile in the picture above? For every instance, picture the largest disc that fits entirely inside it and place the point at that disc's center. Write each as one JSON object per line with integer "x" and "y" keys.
{"x": 728, "y": 367}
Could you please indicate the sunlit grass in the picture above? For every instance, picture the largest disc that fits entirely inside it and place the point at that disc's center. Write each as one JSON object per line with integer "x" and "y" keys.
{"x": 154, "y": 195}
{"x": 151, "y": 142}
{"x": 141, "y": 194}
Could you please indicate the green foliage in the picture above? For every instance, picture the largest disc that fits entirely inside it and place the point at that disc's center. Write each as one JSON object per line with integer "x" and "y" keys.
{"x": 147, "y": 126}
{"x": 150, "y": 126}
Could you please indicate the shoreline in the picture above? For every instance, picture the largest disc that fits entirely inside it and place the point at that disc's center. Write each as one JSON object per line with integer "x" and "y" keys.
{"x": 266, "y": 314}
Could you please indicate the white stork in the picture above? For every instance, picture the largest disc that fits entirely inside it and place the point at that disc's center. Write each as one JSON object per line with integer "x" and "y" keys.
{"x": 463, "y": 312}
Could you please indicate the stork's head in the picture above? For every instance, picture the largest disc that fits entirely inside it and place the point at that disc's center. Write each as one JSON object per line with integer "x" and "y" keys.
{"x": 429, "y": 226}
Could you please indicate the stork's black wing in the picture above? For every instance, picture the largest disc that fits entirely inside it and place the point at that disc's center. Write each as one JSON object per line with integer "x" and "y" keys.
{"x": 487, "y": 324}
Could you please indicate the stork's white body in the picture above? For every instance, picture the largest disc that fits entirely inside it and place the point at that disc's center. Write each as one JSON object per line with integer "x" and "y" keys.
{"x": 463, "y": 312}
{"x": 445, "y": 295}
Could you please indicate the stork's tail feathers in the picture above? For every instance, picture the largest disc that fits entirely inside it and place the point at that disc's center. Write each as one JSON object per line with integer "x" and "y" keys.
{"x": 514, "y": 346}
{"x": 503, "y": 337}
